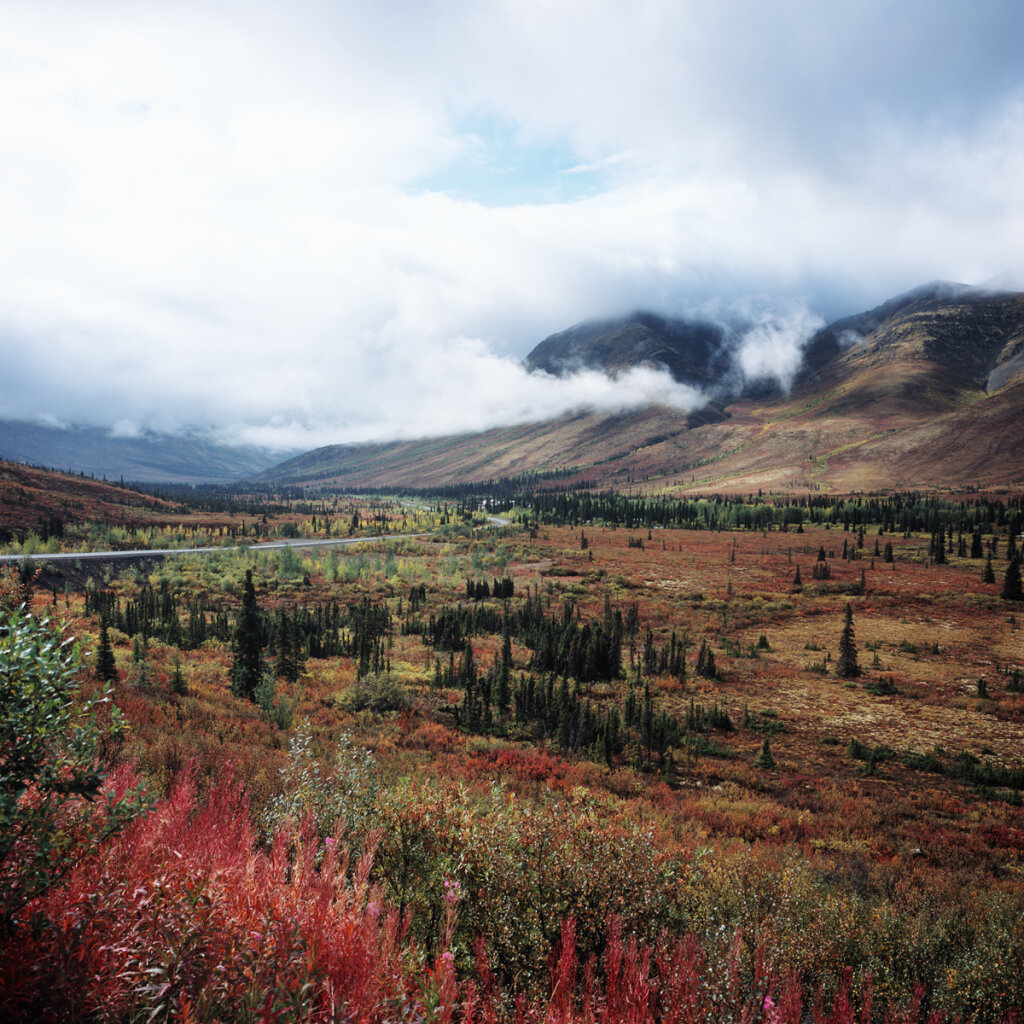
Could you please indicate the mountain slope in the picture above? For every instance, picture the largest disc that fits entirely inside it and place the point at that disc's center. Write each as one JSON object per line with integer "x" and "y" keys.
{"x": 926, "y": 390}
{"x": 975, "y": 335}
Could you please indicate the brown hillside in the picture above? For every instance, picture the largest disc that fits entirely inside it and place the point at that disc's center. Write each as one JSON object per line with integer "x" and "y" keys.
{"x": 39, "y": 499}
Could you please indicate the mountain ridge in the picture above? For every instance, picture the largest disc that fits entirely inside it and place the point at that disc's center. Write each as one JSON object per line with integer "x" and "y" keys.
{"x": 885, "y": 398}
{"x": 149, "y": 458}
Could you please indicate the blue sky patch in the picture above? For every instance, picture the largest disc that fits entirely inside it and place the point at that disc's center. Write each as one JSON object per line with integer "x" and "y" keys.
{"x": 498, "y": 167}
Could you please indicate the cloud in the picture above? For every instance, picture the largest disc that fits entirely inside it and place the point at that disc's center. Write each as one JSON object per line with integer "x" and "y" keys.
{"x": 470, "y": 390}
{"x": 125, "y": 429}
{"x": 334, "y": 221}
{"x": 48, "y": 420}
{"x": 773, "y": 346}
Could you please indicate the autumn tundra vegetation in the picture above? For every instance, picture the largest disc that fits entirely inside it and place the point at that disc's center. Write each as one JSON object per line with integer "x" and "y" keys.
{"x": 557, "y": 756}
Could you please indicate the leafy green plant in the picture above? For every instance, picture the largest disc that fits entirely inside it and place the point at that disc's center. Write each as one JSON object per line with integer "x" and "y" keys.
{"x": 56, "y": 749}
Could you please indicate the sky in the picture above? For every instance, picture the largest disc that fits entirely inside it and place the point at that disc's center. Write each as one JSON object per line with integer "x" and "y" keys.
{"x": 319, "y": 222}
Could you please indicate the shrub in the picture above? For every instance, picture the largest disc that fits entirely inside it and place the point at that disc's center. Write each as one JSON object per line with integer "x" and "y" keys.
{"x": 376, "y": 692}
{"x": 339, "y": 799}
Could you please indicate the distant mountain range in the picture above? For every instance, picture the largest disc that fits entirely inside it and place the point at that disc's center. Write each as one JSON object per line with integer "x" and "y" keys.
{"x": 926, "y": 390}
{"x": 150, "y": 457}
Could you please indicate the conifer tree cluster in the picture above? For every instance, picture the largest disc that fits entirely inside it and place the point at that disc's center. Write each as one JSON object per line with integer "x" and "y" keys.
{"x": 706, "y": 662}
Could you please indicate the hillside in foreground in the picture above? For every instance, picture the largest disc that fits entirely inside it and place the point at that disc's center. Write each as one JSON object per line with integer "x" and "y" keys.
{"x": 925, "y": 391}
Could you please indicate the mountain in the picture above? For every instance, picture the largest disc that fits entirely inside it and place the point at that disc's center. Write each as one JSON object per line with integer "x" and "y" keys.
{"x": 926, "y": 390}
{"x": 150, "y": 457}
{"x": 694, "y": 352}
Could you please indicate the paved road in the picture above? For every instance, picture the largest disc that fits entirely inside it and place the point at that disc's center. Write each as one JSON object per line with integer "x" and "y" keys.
{"x": 70, "y": 556}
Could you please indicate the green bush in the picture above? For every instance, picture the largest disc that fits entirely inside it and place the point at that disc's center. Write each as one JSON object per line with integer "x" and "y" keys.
{"x": 377, "y": 693}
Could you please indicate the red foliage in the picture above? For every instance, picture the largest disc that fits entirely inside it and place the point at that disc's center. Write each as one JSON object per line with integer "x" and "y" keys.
{"x": 523, "y": 765}
{"x": 180, "y": 914}
{"x": 181, "y": 917}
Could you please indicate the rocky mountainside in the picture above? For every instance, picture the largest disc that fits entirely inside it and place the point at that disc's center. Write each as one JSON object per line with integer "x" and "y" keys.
{"x": 974, "y": 334}
{"x": 926, "y": 390}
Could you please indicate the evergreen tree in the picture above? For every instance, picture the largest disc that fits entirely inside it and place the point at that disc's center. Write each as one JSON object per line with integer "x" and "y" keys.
{"x": 178, "y": 682}
{"x": 846, "y": 665}
{"x": 106, "y": 666}
{"x": 247, "y": 645}
{"x": 764, "y": 758}
{"x": 1011, "y": 583}
{"x": 988, "y": 575}
{"x": 976, "y": 549}
{"x": 797, "y": 581}
{"x": 887, "y": 555}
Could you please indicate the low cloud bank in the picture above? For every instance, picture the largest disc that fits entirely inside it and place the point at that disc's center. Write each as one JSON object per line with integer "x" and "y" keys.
{"x": 474, "y": 393}
{"x": 392, "y": 384}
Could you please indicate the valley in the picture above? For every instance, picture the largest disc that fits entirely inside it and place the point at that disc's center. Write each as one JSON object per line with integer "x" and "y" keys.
{"x": 589, "y": 676}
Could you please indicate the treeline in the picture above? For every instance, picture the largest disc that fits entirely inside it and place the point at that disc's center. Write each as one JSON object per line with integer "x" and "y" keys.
{"x": 904, "y": 513}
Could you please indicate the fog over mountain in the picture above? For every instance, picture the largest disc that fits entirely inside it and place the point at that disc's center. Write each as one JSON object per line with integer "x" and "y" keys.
{"x": 304, "y": 224}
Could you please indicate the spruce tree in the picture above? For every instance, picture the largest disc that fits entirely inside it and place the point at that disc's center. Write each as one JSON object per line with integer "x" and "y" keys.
{"x": 106, "y": 666}
{"x": 178, "y": 682}
{"x": 846, "y": 665}
{"x": 988, "y": 575}
{"x": 1011, "y": 583}
{"x": 764, "y": 758}
{"x": 247, "y": 645}
{"x": 706, "y": 661}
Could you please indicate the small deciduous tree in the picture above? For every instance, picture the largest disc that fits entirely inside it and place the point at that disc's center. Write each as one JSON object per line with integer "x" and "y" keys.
{"x": 56, "y": 749}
